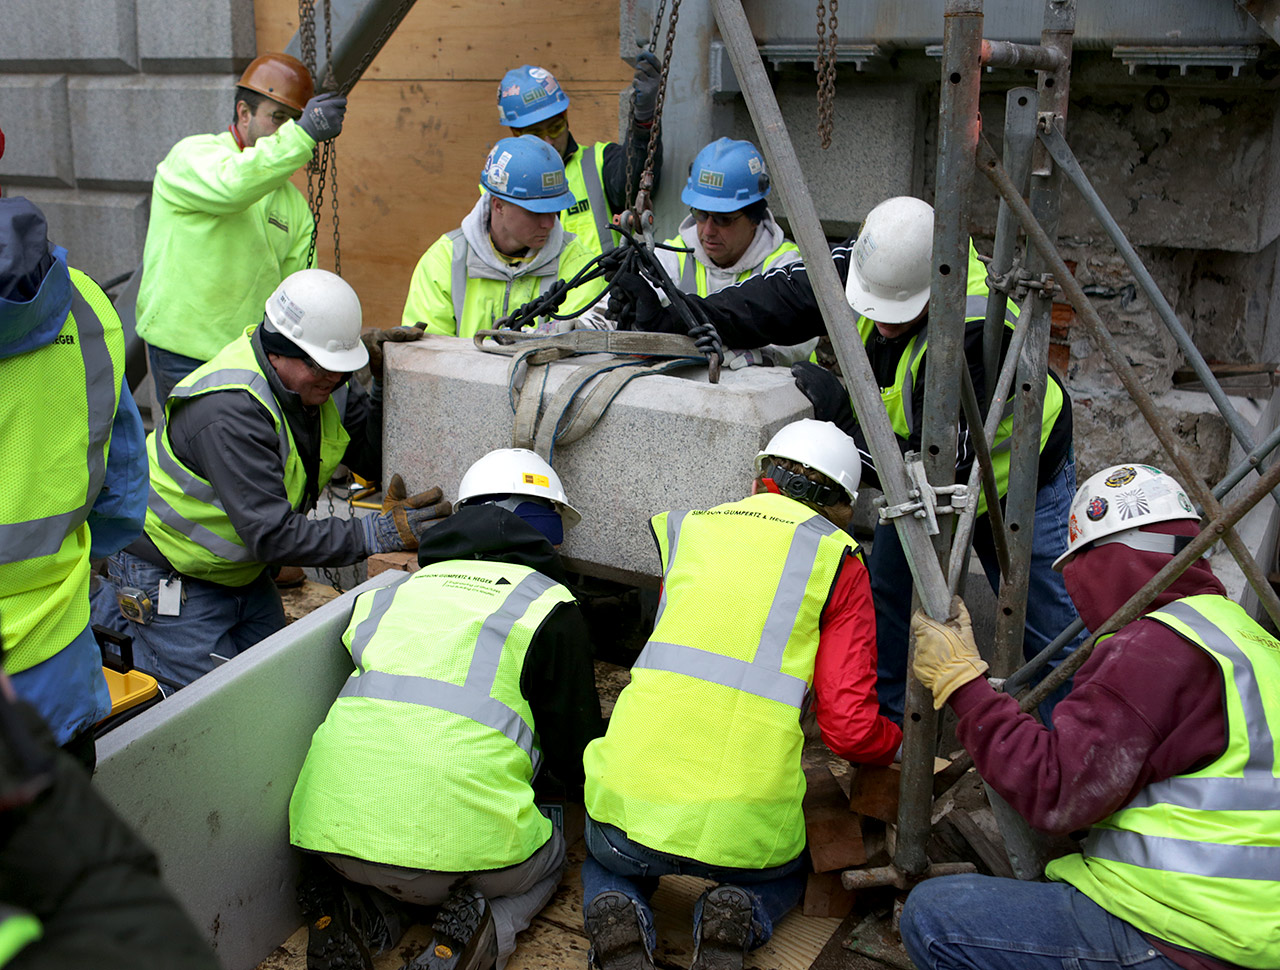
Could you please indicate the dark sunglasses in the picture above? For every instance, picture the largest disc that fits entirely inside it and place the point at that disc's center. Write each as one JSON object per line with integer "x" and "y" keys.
{"x": 722, "y": 219}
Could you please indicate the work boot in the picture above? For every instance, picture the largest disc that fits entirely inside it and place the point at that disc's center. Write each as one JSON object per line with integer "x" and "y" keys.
{"x": 333, "y": 940}
{"x": 721, "y": 937}
{"x": 464, "y": 937}
{"x": 618, "y": 940}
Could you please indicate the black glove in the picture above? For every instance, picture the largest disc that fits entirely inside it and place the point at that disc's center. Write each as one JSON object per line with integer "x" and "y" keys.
{"x": 374, "y": 337}
{"x": 322, "y": 117}
{"x": 828, "y": 396}
{"x": 635, "y": 306}
{"x": 645, "y": 86}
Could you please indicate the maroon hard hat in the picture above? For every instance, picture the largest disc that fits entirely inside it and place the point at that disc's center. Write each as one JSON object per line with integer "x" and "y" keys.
{"x": 281, "y": 78}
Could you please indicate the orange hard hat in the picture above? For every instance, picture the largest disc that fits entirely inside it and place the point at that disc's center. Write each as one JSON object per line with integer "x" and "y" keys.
{"x": 281, "y": 78}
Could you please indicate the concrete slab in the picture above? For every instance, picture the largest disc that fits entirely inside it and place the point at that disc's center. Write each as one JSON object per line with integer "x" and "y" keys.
{"x": 69, "y": 35}
{"x": 875, "y": 148}
{"x": 205, "y": 778}
{"x": 124, "y": 126}
{"x": 34, "y": 116}
{"x": 666, "y": 442}
{"x": 182, "y": 36}
{"x": 103, "y": 231}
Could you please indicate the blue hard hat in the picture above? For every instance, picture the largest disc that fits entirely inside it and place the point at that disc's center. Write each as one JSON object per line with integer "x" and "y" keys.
{"x": 726, "y": 176}
{"x": 528, "y": 172}
{"x": 528, "y": 95}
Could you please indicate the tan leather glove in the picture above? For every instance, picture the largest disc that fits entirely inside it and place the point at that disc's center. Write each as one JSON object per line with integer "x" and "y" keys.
{"x": 374, "y": 337}
{"x": 946, "y": 656}
{"x": 411, "y": 512}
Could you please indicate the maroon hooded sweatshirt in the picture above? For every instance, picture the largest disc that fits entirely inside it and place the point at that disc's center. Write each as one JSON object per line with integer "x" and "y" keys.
{"x": 1145, "y": 706}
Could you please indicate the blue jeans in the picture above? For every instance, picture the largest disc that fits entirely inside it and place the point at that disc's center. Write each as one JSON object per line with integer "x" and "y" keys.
{"x": 167, "y": 368}
{"x": 985, "y": 923}
{"x": 212, "y": 618}
{"x": 1049, "y": 608}
{"x": 618, "y": 863}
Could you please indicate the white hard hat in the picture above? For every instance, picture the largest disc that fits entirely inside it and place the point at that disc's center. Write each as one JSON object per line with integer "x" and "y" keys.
{"x": 516, "y": 471}
{"x": 892, "y": 261}
{"x": 819, "y": 445}
{"x": 1112, "y": 505}
{"x": 320, "y": 312}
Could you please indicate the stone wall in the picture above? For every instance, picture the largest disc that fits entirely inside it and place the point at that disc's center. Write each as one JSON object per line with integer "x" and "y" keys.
{"x": 93, "y": 93}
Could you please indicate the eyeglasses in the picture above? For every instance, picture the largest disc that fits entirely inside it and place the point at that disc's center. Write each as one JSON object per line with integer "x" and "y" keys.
{"x": 722, "y": 219}
{"x": 546, "y": 130}
{"x": 319, "y": 371}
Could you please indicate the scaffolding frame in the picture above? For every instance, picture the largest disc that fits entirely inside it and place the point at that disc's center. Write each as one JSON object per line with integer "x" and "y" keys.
{"x": 1035, "y": 152}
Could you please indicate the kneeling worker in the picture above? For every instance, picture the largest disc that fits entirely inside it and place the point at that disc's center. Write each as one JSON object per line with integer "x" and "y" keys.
{"x": 509, "y": 249}
{"x": 766, "y": 606}
{"x": 247, "y": 443}
{"x": 468, "y": 674}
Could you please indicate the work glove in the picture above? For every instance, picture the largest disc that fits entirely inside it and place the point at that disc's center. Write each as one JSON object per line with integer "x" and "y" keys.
{"x": 645, "y": 86}
{"x": 322, "y": 117}
{"x": 404, "y": 517}
{"x": 946, "y": 657}
{"x": 374, "y": 337}
{"x": 635, "y": 306}
{"x": 828, "y": 396}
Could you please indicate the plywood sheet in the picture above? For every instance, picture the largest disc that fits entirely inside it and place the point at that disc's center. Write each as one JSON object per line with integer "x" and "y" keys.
{"x": 481, "y": 39}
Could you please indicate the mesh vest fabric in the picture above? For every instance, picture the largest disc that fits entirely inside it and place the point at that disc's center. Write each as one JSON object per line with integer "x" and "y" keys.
{"x": 702, "y": 754}
{"x": 57, "y": 405}
{"x": 18, "y": 929}
{"x": 897, "y": 397}
{"x": 589, "y": 217}
{"x": 692, "y": 275}
{"x": 1195, "y": 859}
{"x": 426, "y": 758}
{"x": 186, "y": 519}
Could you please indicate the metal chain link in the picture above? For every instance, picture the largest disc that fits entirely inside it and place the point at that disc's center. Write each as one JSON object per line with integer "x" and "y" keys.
{"x": 631, "y": 111}
{"x": 644, "y": 196}
{"x": 826, "y": 71}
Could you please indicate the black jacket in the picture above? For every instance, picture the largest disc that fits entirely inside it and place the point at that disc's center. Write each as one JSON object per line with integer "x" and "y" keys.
{"x": 558, "y": 678}
{"x": 780, "y": 308}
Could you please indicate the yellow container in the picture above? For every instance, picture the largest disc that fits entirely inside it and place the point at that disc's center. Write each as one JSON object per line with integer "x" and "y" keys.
{"x": 130, "y": 688}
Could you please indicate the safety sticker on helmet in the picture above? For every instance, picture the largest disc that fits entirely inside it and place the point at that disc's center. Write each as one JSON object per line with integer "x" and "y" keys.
{"x": 1132, "y": 503}
{"x": 1121, "y": 476}
{"x": 1073, "y": 528}
{"x": 1096, "y": 508}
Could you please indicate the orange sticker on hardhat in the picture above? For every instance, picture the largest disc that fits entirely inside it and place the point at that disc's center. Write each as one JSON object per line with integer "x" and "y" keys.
{"x": 540, "y": 480}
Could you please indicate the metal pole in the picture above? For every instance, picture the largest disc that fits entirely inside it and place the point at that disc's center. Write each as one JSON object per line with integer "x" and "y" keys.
{"x": 1019, "y": 140}
{"x": 1102, "y": 339}
{"x": 1033, "y": 379}
{"x": 957, "y": 141}
{"x": 1031, "y": 57}
{"x": 784, "y": 166}
{"x": 1070, "y": 166}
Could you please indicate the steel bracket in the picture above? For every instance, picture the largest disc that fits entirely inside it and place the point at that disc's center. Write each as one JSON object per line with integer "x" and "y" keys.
{"x": 924, "y": 498}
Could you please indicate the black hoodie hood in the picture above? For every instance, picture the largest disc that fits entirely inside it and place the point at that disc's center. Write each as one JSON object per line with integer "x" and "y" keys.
{"x": 492, "y": 534}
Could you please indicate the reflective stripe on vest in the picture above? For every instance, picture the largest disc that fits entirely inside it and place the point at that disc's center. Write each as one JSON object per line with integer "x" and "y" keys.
{"x": 471, "y": 699}
{"x": 763, "y": 676}
{"x": 458, "y": 279}
{"x": 595, "y": 196}
{"x": 1259, "y": 788}
{"x": 44, "y": 536}
{"x": 688, "y": 273}
{"x": 693, "y": 273}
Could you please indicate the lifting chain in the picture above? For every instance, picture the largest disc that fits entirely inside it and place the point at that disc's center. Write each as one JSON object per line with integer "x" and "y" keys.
{"x": 826, "y": 71}
{"x": 324, "y": 158}
{"x": 631, "y": 108}
{"x": 642, "y": 211}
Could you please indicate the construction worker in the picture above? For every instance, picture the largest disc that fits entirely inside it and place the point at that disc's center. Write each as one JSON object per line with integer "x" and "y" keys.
{"x": 77, "y": 885}
{"x": 509, "y": 249}
{"x": 471, "y": 674}
{"x": 765, "y": 608}
{"x": 1165, "y": 746}
{"x": 531, "y": 102}
{"x": 226, "y": 225}
{"x": 730, "y": 228}
{"x": 246, "y": 444}
{"x": 887, "y": 273}
{"x": 72, "y": 427}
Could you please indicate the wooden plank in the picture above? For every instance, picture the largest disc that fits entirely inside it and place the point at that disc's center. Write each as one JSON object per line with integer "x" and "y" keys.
{"x": 834, "y": 833}
{"x": 409, "y": 161}
{"x": 481, "y": 40}
{"x": 824, "y": 895}
{"x": 380, "y": 562}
